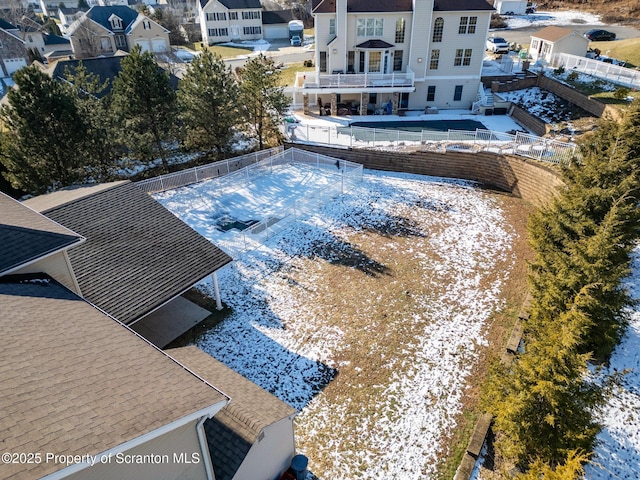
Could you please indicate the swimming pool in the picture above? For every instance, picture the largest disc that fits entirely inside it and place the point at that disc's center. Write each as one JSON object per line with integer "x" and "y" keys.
{"x": 419, "y": 125}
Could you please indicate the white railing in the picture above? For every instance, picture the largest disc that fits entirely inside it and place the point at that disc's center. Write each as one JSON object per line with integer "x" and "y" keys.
{"x": 520, "y": 144}
{"x": 616, "y": 74}
{"x": 354, "y": 80}
{"x": 345, "y": 175}
{"x": 204, "y": 172}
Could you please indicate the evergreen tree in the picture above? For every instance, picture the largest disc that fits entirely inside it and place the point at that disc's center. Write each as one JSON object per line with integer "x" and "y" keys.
{"x": 100, "y": 143}
{"x": 262, "y": 100}
{"x": 208, "y": 97}
{"x": 572, "y": 468}
{"x": 543, "y": 406}
{"x": 40, "y": 149}
{"x": 144, "y": 105}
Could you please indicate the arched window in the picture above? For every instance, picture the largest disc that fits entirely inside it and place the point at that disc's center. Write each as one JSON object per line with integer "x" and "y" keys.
{"x": 438, "y": 28}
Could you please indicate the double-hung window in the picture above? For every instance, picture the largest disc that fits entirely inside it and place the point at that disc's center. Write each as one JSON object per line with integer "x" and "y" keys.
{"x": 435, "y": 59}
{"x": 463, "y": 57}
{"x": 467, "y": 25}
{"x": 438, "y": 28}
{"x": 369, "y": 27}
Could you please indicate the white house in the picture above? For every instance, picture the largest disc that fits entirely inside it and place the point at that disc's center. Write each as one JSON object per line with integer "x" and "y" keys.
{"x": 376, "y": 55}
{"x": 552, "y": 40}
{"x": 230, "y": 20}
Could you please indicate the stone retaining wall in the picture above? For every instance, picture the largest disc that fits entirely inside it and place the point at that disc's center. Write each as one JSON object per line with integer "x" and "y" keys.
{"x": 523, "y": 177}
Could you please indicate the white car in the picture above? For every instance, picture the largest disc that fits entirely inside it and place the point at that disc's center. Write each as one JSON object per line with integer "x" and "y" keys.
{"x": 497, "y": 45}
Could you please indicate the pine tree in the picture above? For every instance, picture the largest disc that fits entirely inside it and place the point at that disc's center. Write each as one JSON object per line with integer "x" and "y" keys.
{"x": 99, "y": 145}
{"x": 262, "y": 100}
{"x": 572, "y": 468}
{"x": 208, "y": 98}
{"x": 40, "y": 149}
{"x": 144, "y": 105}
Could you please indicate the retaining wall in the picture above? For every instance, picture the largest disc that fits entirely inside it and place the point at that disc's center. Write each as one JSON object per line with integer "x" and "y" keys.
{"x": 524, "y": 178}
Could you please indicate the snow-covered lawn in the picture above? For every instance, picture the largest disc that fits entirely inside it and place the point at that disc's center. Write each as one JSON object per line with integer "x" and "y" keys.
{"x": 368, "y": 316}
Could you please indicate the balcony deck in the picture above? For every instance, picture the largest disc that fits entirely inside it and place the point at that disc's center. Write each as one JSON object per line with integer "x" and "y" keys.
{"x": 313, "y": 82}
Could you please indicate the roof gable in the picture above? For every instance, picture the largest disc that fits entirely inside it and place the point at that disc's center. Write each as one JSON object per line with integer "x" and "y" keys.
{"x": 27, "y": 235}
{"x": 274, "y": 17}
{"x": 138, "y": 255}
{"x": 76, "y": 382}
{"x": 6, "y": 25}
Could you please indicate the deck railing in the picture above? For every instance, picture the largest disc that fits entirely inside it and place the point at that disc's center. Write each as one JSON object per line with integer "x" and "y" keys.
{"x": 354, "y": 80}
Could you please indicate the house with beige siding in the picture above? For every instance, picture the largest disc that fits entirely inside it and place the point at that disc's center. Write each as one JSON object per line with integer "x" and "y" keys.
{"x": 376, "y": 56}
{"x": 104, "y": 30}
{"x": 89, "y": 398}
{"x": 13, "y": 50}
{"x": 553, "y": 40}
{"x": 230, "y": 20}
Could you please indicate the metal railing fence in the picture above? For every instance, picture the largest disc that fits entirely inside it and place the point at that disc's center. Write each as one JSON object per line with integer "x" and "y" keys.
{"x": 521, "y": 144}
{"x": 204, "y": 172}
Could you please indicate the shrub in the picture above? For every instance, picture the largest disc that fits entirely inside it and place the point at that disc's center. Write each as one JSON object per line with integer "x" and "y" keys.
{"x": 559, "y": 70}
{"x": 573, "y": 76}
{"x": 308, "y": 63}
{"x": 620, "y": 93}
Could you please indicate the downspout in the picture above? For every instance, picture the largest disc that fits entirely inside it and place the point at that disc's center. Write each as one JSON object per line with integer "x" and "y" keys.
{"x": 204, "y": 448}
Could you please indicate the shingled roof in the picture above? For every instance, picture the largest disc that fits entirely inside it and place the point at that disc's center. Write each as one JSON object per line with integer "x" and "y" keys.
{"x": 76, "y": 382}
{"x": 364, "y": 6}
{"x": 235, "y": 4}
{"x": 553, "y": 33}
{"x": 138, "y": 255}
{"x": 101, "y": 15}
{"x": 460, "y": 5}
{"x": 26, "y": 235}
{"x": 232, "y": 432}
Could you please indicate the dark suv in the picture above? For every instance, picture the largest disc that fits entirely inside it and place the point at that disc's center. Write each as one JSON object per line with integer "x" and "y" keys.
{"x": 599, "y": 35}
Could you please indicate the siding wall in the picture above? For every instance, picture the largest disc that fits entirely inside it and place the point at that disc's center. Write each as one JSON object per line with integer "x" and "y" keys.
{"x": 522, "y": 177}
{"x": 55, "y": 266}
{"x": 183, "y": 440}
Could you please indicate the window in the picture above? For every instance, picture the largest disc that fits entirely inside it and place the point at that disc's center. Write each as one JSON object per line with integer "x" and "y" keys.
{"x": 332, "y": 26}
{"x": 404, "y": 100}
{"x": 369, "y": 27}
{"x": 457, "y": 96}
{"x": 361, "y": 63}
{"x": 534, "y": 44}
{"x": 467, "y": 25}
{"x": 397, "y": 60}
{"x": 351, "y": 61}
{"x": 216, "y": 16}
{"x": 233, "y": 15}
{"x": 252, "y": 30}
{"x": 323, "y": 61}
{"x": 375, "y": 61}
{"x": 121, "y": 41}
{"x": 400, "y": 25}
{"x": 431, "y": 93}
{"x": 218, "y": 32}
{"x": 105, "y": 44}
{"x": 250, "y": 15}
{"x": 435, "y": 59}
{"x": 463, "y": 57}
{"x": 146, "y": 25}
{"x": 116, "y": 22}
{"x": 438, "y": 28}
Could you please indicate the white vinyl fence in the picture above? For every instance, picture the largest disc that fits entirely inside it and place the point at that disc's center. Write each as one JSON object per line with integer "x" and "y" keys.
{"x": 626, "y": 77}
{"x": 522, "y": 144}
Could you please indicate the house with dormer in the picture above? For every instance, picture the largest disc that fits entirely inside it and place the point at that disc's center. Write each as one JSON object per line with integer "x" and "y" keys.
{"x": 376, "y": 56}
{"x": 13, "y": 50}
{"x": 105, "y": 30}
{"x": 230, "y": 20}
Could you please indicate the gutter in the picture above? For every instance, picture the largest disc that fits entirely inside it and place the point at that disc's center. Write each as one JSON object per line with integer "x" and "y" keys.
{"x": 204, "y": 447}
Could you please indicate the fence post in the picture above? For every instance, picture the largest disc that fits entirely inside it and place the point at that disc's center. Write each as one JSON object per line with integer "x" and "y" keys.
{"x": 161, "y": 183}
{"x": 195, "y": 170}
{"x": 397, "y": 138}
{"x": 351, "y": 137}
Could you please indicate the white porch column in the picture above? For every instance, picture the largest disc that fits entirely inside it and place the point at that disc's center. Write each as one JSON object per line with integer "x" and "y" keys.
{"x": 216, "y": 290}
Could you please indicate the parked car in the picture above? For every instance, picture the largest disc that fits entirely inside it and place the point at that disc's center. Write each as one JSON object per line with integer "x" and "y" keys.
{"x": 599, "y": 35}
{"x": 296, "y": 41}
{"x": 497, "y": 45}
